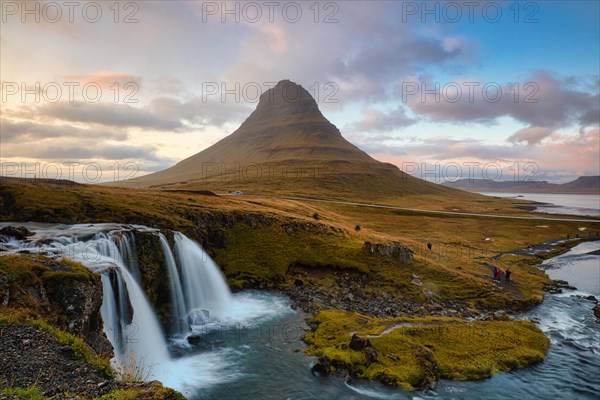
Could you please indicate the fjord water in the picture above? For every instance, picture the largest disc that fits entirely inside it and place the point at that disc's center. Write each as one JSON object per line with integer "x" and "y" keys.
{"x": 250, "y": 342}
{"x": 571, "y": 204}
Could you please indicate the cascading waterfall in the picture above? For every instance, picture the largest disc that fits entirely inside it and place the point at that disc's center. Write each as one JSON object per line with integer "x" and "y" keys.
{"x": 206, "y": 293}
{"x": 146, "y": 351}
{"x": 180, "y": 324}
{"x": 130, "y": 323}
{"x": 201, "y": 301}
{"x": 126, "y": 244}
{"x": 129, "y": 320}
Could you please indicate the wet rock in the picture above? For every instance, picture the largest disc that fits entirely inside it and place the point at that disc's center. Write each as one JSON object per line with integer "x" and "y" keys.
{"x": 597, "y": 312}
{"x": 591, "y": 298}
{"x": 196, "y": 340}
{"x": 428, "y": 363}
{"x": 358, "y": 342}
{"x": 19, "y": 233}
{"x": 321, "y": 368}
{"x": 553, "y": 290}
{"x": 564, "y": 284}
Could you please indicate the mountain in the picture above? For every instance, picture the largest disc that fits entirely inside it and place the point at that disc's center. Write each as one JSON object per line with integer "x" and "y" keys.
{"x": 581, "y": 185}
{"x": 286, "y": 146}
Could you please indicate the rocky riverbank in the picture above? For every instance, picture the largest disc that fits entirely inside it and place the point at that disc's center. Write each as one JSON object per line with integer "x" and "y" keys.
{"x": 350, "y": 295}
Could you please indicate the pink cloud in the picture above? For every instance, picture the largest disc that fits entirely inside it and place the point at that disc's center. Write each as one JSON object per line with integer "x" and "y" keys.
{"x": 105, "y": 79}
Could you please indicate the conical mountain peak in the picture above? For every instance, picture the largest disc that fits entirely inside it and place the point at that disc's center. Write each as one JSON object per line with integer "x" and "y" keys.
{"x": 287, "y": 146}
{"x": 285, "y": 99}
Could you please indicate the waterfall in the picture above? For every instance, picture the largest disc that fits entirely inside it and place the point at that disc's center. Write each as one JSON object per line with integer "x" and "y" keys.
{"x": 180, "y": 312}
{"x": 206, "y": 292}
{"x": 110, "y": 316}
{"x": 146, "y": 353}
{"x": 126, "y": 243}
{"x": 197, "y": 291}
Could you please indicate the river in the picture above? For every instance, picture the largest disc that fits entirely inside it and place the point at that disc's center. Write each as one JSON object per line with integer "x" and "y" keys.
{"x": 272, "y": 365}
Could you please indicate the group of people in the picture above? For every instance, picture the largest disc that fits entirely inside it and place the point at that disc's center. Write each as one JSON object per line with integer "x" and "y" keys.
{"x": 498, "y": 274}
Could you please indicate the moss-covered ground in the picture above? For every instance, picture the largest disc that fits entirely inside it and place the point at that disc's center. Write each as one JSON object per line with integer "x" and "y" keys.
{"x": 412, "y": 352}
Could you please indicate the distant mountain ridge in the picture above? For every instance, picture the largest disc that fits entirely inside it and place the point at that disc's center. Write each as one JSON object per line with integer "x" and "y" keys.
{"x": 287, "y": 147}
{"x": 581, "y": 185}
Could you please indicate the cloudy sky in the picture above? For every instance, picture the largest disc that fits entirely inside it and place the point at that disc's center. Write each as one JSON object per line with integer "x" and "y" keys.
{"x": 495, "y": 89}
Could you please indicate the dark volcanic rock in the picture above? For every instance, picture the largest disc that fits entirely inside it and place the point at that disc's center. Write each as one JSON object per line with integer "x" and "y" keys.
{"x": 321, "y": 368}
{"x": 557, "y": 286}
{"x": 80, "y": 304}
{"x": 370, "y": 356}
{"x": 358, "y": 342}
{"x": 218, "y": 238}
{"x": 19, "y": 233}
{"x": 196, "y": 340}
{"x": 597, "y": 311}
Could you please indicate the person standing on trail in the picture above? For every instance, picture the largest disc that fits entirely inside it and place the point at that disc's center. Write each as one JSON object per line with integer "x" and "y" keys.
{"x": 500, "y": 275}
{"x": 507, "y": 275}
{"x": 495, "y": 272}
{"x": 429, "y": 245}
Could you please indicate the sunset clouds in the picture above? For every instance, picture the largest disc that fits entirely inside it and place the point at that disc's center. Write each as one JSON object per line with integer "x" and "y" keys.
{"x": 138, "y": 85}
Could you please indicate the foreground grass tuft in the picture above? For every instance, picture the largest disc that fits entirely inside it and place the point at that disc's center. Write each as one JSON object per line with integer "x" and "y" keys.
{"x": 31, "y": 393}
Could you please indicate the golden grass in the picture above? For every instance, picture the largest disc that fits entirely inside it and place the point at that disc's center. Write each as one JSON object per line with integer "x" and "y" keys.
{"x": 453, "y": 269}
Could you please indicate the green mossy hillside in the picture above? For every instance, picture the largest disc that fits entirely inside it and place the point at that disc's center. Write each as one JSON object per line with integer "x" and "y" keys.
{"x": 415, "y": 352}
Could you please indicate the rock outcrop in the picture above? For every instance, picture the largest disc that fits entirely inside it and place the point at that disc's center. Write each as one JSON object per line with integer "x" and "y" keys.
{"x": 62, "y": 292}
{"x": 395, "y": 250}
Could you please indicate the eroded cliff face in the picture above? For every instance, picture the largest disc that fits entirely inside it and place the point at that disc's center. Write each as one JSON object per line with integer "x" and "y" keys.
{"x": 59, "y": 291}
